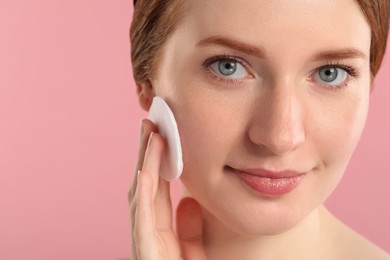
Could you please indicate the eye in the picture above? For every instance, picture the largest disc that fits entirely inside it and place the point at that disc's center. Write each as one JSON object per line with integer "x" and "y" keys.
{"x": 229, "y": 68}
{"x": 331, "y": 75}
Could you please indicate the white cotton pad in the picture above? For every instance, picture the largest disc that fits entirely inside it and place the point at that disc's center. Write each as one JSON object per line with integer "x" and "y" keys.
{"x": 172, "y": 160}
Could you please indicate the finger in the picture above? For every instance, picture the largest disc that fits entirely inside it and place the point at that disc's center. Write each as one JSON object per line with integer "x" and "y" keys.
{"x": 153, "y": 211}
{"x": 145, "y": 245}
{"x": 163, "y": 206}
{"x": 147, "y": 127}
{"x": 190, "y": 229}
{"x": 152, "y": 159}
{"x": 161, "y": 189}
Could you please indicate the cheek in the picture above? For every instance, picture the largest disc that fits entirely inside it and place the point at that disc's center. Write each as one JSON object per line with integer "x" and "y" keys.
{"x": 210, "y": 124}
{"x": 202, "y": 146}
{"x": 340, "y": 128}
{"x": 202, "y": 127}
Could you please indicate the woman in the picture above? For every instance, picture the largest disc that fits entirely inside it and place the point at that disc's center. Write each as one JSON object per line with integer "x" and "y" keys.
{"x": 270, "y": 99}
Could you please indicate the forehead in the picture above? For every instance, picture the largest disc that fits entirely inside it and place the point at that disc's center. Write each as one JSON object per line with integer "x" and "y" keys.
{"x": 279, "y": 24}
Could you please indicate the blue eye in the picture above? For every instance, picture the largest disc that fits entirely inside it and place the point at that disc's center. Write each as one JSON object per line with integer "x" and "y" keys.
{"x": 332, "y": 76}
{"x": 229, "y": 68}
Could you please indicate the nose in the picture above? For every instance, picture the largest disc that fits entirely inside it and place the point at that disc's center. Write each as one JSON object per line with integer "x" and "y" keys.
{"x": 278, "y": 121}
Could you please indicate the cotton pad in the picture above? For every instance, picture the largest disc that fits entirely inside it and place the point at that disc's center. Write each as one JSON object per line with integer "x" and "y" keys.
{"x": 172, "y": 160}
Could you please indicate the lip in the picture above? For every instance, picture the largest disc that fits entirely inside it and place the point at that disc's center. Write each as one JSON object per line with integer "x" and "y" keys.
{"x": 270, "y": 183}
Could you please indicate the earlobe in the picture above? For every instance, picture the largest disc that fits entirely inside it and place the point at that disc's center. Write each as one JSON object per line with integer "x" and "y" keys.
{"x": 145, "y": 94}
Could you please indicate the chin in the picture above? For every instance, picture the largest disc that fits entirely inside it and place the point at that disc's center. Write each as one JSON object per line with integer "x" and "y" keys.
{"x": 268, "y": 226}
{"x": 252, "y": 221}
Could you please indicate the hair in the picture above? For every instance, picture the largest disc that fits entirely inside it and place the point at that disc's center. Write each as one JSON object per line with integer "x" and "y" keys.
{"x": 154, "y": 20}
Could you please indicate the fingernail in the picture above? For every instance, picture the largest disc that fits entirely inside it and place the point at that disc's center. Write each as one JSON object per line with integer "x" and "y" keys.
{"x": 150, "y": 139}
{"x": 142, "y": 126}
{"x": 138, "y": 173}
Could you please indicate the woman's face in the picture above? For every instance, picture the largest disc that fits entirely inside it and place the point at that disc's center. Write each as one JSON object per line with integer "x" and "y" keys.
{"x": 273, "y": 88}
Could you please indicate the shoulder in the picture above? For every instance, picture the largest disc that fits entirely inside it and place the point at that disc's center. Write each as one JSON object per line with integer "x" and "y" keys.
{"x": 351, "y": 245}
{"x": 345, "y": 243}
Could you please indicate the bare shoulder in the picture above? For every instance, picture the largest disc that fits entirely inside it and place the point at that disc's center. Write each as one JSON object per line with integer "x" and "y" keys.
{"x": 345, "y": 243}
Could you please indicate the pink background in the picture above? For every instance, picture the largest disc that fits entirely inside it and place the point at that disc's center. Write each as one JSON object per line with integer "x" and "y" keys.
{"x": 69, "y": 124}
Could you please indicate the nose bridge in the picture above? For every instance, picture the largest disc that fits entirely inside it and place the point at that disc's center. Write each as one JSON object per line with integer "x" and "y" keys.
{"x": 284, "y": 113}
{"x": 281, "y": 127}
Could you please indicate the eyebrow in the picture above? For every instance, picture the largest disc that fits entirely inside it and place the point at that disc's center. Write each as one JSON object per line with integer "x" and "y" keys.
{"x": 340, "y": 54}
{"x": 233, "y": 44}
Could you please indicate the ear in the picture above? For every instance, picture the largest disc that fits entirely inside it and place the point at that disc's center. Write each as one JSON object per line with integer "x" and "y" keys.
{"x": 145, "y": 94}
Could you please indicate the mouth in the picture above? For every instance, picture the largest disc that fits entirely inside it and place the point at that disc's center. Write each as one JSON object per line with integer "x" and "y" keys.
{"x": 269, "y": 183}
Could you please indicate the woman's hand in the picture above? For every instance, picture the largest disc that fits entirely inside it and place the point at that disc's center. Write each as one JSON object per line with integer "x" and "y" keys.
{"x": 151, "y": 209}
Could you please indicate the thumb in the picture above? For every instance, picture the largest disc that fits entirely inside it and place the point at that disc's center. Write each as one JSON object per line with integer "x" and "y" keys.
{"x": 190, "y": 229}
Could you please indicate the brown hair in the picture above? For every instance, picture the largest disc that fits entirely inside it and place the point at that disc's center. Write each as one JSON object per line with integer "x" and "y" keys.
{"x": 154, "y": 20}
{"x": 377, "y": 15}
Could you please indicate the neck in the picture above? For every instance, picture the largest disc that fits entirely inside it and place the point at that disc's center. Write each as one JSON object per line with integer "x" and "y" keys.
{"x": 300, "y": 242}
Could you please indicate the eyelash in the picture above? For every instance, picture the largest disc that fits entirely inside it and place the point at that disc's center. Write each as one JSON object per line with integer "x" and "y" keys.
{"x": 224, "y": 57}
{"x": 352, "y": 72}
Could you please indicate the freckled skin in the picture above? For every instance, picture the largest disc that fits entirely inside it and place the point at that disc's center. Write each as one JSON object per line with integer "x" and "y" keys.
{"x": 276, "y": 119}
